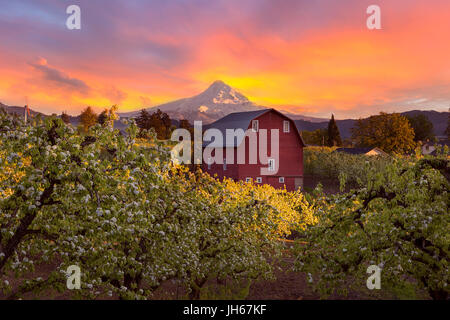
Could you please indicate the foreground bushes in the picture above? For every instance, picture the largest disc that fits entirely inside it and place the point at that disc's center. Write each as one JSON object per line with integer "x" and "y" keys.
{"x": 399, "y": 221}
{"x": 125, "y": 216}
{"x": 131, "y": 221}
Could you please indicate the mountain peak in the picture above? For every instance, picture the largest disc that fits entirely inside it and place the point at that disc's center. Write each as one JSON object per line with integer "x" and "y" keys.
{"x": 218, "y": 85}
{"x": 221, "y": 93}
{"x": 217, "y": 101}
{"x": 219, "y": 82}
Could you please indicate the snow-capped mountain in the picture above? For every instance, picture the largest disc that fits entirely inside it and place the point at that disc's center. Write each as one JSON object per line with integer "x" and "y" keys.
{"x": 216, "y": 102}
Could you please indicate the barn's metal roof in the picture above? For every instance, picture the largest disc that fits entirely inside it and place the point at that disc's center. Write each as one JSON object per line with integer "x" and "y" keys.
{"x": 238, "y": 120}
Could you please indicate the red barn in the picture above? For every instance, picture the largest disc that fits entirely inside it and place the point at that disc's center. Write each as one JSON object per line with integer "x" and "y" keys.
{"x": 289, "y": 171}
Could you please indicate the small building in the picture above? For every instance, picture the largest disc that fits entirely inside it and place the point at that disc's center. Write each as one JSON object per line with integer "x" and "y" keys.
{"x": 290, "y": 157}
{"x": 430, "y": 148}
{"x": 363, "y": 151}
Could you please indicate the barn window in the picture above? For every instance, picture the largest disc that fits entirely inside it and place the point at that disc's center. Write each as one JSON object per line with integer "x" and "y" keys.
{"x": 248, "y": 179}
{"x": 259, "y": 180}
{"x": 286, "y": 126}
{"x": 281, "y": 179}
{"x": 255, "y": 125}
{"x": 271, "y": 165}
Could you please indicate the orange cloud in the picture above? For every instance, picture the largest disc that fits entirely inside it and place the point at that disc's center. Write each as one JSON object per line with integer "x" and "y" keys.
{"x": 314, "y": 69}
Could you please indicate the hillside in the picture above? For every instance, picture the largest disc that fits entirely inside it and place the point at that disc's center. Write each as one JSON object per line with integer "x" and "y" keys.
{"x": 220, "y": 99}
{"x": 19, "y": 110}
{"x": 439, "y": 120}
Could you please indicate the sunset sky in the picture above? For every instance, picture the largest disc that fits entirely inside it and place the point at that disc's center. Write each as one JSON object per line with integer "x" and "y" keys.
{"x": 310, "y": 57}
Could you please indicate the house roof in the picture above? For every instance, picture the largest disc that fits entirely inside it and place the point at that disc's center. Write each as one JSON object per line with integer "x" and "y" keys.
{"x": 440, "y": 142}
{"x": 358, "y": 150}
{"x": 239, "y": 120}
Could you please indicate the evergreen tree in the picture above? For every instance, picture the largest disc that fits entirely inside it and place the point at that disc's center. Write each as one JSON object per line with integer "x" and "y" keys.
{"x": 103, "y": 117}
{"x": 184, "y": 124}
{"x": 334, "y": 137}
{"x": 423, "y": 128}
{"x": 159, "y": 121}
{"x": 143, "y": 120}
{"x": 65, "y": 118}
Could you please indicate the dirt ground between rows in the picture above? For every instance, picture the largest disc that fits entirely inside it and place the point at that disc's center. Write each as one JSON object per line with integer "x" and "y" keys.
{"x": 288, "y": 285}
